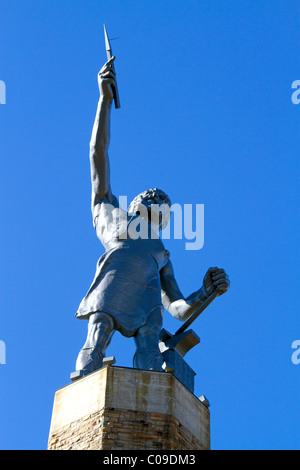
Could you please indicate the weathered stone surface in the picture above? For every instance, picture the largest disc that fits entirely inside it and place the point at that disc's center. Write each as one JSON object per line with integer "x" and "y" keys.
{"x": 122, "y": 408}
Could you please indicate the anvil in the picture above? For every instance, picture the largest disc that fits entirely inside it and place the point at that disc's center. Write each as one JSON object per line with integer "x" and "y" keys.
{"x": 174, "y": 347}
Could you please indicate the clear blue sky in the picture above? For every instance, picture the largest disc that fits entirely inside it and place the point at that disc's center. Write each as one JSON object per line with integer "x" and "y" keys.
{"x": 206, "y": 115}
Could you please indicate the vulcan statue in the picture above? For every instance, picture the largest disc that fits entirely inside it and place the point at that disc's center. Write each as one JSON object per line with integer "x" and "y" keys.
{"x": 134, "y": 278}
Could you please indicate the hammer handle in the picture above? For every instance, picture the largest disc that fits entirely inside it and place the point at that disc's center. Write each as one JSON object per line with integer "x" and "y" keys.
{"x": 197, "y": 312}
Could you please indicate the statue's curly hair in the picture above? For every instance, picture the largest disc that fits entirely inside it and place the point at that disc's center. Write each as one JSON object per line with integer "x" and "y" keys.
{"x": 155, "y": 194}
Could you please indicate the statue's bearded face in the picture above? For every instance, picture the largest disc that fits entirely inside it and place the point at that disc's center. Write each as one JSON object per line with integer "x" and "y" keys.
{"x": 153, "y": 204}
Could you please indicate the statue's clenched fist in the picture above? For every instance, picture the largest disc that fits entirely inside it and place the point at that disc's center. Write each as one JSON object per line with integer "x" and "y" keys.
{"x": 216, "y": 279}
{"x": 106, "y": 79}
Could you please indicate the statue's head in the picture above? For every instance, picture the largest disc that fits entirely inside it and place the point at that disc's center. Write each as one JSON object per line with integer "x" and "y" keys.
{"x": 153, "y": 204}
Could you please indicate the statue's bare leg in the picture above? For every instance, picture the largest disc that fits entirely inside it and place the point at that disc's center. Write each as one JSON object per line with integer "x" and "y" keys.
{"x": 148, "y": 355}
{"x": 100, "y": 332}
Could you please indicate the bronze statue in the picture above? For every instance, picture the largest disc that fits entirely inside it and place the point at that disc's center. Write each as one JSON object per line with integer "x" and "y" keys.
{"x": 134, "y": 278}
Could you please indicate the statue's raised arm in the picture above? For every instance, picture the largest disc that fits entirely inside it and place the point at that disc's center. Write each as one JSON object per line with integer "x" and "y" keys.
{"x": 100, "y": 174}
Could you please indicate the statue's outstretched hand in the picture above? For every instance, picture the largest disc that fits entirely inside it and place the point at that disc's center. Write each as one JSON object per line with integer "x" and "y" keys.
{"x": 216, "y": 279}
{"x": 106, "y": 79}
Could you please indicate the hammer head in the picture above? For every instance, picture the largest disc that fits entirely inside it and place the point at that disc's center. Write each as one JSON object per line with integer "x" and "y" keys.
{"x": 181, "y": 343}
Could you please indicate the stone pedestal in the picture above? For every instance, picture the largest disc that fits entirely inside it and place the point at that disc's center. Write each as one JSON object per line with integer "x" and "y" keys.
{"x": 118, "y": 408}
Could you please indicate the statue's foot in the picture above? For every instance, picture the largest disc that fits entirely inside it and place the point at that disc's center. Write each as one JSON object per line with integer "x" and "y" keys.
{"x": 78, "y": 374}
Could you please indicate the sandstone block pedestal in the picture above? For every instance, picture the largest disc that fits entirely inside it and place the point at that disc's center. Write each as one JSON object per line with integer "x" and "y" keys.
{"x": 117, "y": 408}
